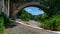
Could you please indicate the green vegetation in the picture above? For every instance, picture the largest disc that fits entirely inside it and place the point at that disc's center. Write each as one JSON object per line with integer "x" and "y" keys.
{"x": 52, "y": 23}
{"x": 6, "y": 19}
{"x": 4, "y": 22}
{"x": 25, "y": 16}
{"x": 50, "y": 19}
{"x": 1, "y": 25}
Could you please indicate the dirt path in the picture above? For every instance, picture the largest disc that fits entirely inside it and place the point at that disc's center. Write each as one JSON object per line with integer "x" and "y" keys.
{"x": 19, "y": 29}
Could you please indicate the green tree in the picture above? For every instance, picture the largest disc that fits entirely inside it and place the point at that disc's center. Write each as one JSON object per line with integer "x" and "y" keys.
{"x": 52, "y": 6}
{"x": 25, "y": 15}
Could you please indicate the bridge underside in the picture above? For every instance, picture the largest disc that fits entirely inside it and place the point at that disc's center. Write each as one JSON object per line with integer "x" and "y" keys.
{"x": 18, "y": 6}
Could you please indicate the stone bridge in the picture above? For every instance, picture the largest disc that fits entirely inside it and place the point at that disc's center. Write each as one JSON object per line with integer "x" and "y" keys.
{"x": 16, "y": 7}
{"x": 12, "y": 7}
{"x": 15, "y": 11}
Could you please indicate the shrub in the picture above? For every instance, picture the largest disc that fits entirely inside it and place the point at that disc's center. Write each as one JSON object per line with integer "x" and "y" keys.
{"x": 7, "y": 20}
{"x": 52, "y": 23}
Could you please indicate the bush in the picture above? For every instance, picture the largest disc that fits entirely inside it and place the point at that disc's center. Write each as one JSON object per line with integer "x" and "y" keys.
{"x": 52, "y": 23}
{"x": 7, "y": 20}
{"x": 4, "y": 21}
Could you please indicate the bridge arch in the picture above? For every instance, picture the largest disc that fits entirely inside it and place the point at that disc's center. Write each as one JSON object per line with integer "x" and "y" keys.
{"x": 37, "y": 4}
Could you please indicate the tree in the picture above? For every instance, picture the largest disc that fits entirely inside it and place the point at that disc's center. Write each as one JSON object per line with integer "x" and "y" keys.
{"x": 25, "y": 15}
{"x": 52, "y": 6}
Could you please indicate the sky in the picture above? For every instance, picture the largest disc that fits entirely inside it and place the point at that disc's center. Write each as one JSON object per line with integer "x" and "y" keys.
{"x": 34, "y": 10}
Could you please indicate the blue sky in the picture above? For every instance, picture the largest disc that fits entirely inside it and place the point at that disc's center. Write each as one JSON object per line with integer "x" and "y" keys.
{"x": 34, "y": 10}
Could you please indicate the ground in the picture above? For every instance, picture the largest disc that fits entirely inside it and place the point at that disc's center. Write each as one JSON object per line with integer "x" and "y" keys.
{"x": 22, "y": 28}
{"x": 19, "y": 30}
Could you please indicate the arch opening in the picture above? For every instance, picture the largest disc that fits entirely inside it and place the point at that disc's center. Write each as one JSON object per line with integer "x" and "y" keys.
{"x": 36, "y": 4}
{"x": 31, "y": 9}
{"x": 34, "y": 10}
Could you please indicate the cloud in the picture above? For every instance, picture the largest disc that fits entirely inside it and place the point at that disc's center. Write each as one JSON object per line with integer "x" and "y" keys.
{"x": 34, "y": 10}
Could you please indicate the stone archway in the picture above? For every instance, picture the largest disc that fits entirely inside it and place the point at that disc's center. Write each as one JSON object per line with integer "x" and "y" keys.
{"x": 15, "y": 11}
{"x": 24, "y": 5}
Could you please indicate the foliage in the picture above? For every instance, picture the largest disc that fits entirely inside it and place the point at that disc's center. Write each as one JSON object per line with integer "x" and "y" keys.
{"x": 7, "y": 20}
{"x": 52, "y": 23}
{"x": 1, "y": 25}
{"x": 40, "y": 17}
{"x": 52, "y": 20}
{"x": 25, "y": 16}
{"x": 4, "y": 22}
{"x": 51, "y": 5}
{"x": 36, "y": 17}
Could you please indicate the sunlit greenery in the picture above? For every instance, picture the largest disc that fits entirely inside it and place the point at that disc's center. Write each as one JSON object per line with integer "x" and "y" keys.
{"x": 52, "y": 23}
